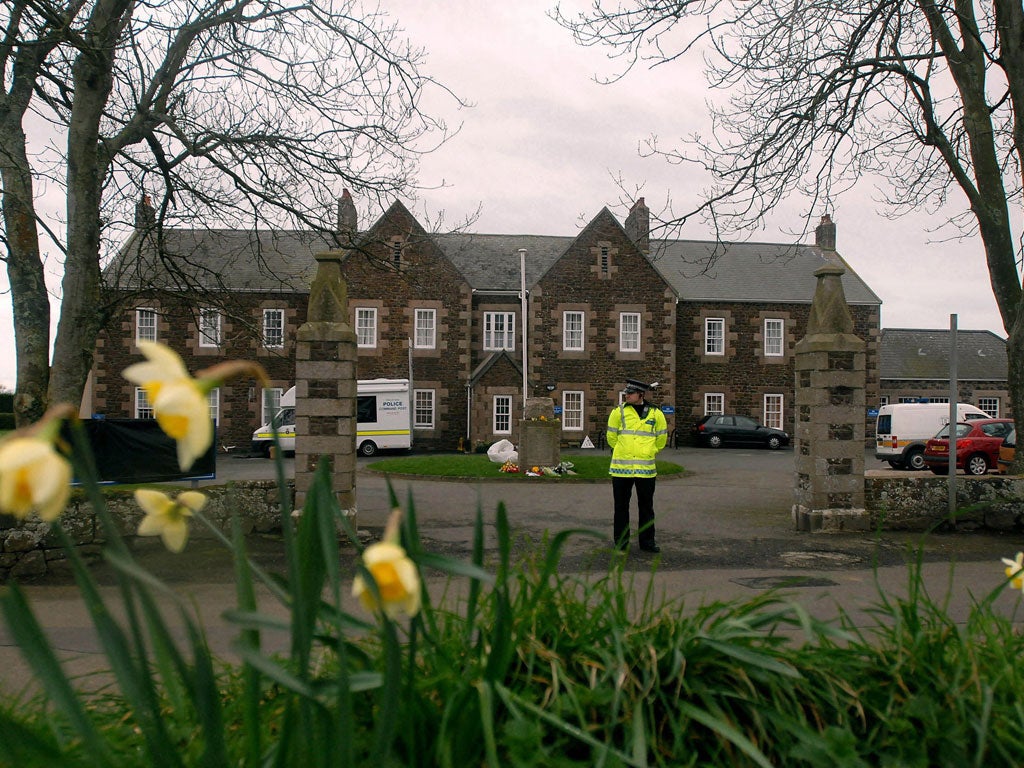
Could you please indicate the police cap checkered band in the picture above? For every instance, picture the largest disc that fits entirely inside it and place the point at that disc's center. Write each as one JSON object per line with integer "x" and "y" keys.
{"x": 632, "y": 385}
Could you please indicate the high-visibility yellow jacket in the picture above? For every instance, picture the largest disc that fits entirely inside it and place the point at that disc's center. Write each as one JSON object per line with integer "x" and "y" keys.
{"x": 635, "y": 440}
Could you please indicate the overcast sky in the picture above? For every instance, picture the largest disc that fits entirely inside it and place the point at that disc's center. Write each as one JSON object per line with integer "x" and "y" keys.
{"x": 543, "y": 143}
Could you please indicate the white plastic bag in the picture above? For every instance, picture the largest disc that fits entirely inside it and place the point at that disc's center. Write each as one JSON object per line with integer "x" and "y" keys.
{"x": 503, "y": 451}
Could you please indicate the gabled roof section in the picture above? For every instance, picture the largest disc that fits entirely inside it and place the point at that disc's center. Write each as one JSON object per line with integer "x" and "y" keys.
{"x": 702, "y": 270}
{"x": 908, "y": 353}
{"x": 489, "y": 362}
{"x": 491, "y": 262}
{"x": 218, "y": 259}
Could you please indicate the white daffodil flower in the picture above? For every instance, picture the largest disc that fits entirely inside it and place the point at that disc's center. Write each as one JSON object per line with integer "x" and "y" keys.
{"x": 33, "y": 476}
{"x": 1015, "y": 571}
{"x": 397, "y": 579}
{"x": 166, "y": 517}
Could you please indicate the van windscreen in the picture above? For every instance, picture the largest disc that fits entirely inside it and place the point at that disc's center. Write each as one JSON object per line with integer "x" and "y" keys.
{"x": 366, "y": 409}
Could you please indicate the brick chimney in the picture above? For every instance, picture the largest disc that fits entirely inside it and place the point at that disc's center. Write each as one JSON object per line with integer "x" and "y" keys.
{"x": 638, "y": 225}
{"x": 145, "y": 215}
{"x": 348, "y": 220}
{"x": 825, "y": 234}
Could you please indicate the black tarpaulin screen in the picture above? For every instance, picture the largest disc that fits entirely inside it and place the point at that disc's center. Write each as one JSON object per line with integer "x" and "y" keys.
{"x": 137, "y": 451}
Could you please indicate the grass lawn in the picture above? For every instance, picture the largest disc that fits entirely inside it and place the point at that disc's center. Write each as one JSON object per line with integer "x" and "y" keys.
{"x": 478, "y": 466}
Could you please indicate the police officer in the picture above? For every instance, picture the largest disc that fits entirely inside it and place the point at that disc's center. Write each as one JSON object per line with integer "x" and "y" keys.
{"x": 636, "y": 432}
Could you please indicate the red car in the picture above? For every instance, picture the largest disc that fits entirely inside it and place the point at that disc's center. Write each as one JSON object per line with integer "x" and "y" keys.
{"x": 977, "y": 446}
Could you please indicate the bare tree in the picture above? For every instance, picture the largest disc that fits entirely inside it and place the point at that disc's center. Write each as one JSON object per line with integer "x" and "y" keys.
{"x": 238, "y": 112}
{"x": 817, "y": 93}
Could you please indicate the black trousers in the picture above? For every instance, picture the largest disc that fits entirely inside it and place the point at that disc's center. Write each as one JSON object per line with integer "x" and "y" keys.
{"x": 622, "y": 491}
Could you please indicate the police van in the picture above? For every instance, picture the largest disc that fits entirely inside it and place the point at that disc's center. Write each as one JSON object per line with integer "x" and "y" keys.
{"x": 903, "y": 429}
{"x": 383, "y": 419}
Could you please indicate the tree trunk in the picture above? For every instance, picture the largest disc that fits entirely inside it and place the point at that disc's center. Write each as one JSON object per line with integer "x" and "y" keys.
{"x": 27, "y": 280}
{"x": 80, "y": 314}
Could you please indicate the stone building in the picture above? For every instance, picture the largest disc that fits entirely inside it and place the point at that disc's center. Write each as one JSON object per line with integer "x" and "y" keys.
{"x": 713, "y": 323}
{"x": 914, "y": 366}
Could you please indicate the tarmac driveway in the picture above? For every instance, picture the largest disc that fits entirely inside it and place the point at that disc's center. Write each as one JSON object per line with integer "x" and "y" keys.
{"x": 731, "y": 508}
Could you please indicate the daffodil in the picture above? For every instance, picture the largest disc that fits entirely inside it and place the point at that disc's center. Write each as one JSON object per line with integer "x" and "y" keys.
{"x": 395, "y": 575}
{"x": 167, "y": 517}
{"x": 179, "y": 401}
{"x": 1015, "y": 571}
{"x": 33, "y": 476}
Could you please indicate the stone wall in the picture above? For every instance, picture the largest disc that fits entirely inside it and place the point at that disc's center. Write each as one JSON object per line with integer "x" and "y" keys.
{"x": 920, "y": 503}
{"x": 30, "y": 549}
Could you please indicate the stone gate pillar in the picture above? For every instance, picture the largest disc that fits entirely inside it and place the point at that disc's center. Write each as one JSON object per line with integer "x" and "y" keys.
{"x": 830, "y": 411}
{"x": 325, "y": 387}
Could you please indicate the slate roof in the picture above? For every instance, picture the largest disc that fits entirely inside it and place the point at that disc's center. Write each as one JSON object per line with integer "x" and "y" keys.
{"x": 222, "y": 259}
{"x": 909, "y": 353}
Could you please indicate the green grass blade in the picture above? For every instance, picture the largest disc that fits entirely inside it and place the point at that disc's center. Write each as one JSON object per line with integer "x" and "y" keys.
{"x": 38, "y": 652}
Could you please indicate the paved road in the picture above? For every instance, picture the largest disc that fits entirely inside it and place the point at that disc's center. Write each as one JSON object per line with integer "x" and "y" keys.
{"x": 732, "y": 506}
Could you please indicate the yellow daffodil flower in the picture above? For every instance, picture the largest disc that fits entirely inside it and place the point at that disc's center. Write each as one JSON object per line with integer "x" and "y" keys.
{"x": 33, "y": 476}
{"x": 1015, "y": 571}
{"x": 166, "y": 517}
{"x": 179, "y": 401}
{"x": 395, "y": 575}
{"x": 179, "y": 404}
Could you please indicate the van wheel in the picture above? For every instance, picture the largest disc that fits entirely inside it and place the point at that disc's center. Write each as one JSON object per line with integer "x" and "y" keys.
{"x": 914, "y": 459}
{"x": 367, "y": 448}
{"x": 266, "y": 449}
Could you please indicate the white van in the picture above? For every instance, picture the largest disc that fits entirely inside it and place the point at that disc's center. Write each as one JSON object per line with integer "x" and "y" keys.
{"x": 383, "y": 419}
{"x": 902, "y": 430}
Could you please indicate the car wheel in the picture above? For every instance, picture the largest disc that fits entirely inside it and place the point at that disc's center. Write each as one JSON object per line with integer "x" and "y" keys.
{"x": 976, "y": 465}
{"x": 774, "y": 443}
{"x": 914, "y": 460}
{"x": 367, "y": 448}
{"x": 939, "y": 470}
{"x": 714, "y": 441}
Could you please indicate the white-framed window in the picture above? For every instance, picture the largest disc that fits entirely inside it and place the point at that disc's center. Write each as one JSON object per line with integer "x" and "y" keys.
{"x": 423, "y": 408}
{"x": 714, "y": 402}
{"x": 425, "y": 333}
{"x": 572, "y": 331}
{"x": 629, "y": 331}
{"x": 572, "y": 411}
{"x": 883, "y": 400}
{"x": 366, "y": 326}
{"x": 774, "y": 346}
{"x": 502, "y": 415}
{"x": 213, "y": 398}
{"x": 714, "y": 335}
{"x": 271, "y": 403}
{"x": 145, "y": 324}
{"x": 273, "y": 328}
{"x": 209, "y": 327}
{"x": 907, "y": 399}
{"x": 143, "y": 408}
{"x": 989, "y": 405}
{"x": 773, "y": 410}
{"x": 499, "y": 330}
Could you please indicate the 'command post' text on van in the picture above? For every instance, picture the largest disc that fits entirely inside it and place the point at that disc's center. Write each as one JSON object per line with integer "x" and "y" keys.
{"x": 383, "y": 419}
{"x": 903, "y": 429}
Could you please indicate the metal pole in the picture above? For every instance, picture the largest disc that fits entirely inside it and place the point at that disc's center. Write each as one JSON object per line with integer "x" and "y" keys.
{"x": 522, "y": 296}
{"x": 954, "y": 398}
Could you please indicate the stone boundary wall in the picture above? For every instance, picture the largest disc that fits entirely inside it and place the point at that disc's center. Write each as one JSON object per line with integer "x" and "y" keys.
{"x": 920, "y": 503}
{"x": 30, "y": 549}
